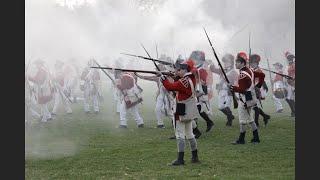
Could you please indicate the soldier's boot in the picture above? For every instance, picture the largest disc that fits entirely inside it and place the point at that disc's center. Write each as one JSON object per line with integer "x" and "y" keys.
{"x": 179, "y": 161}
{"x": 225, "y": 112}
{"x": 256, "y": 115}
{"x": 196, "y": 132}
{"x": 240, "y": 139}
{"x": 210, "y": 123}
{"x": 230, "y": 116}
{"x": 194, "y": 158}
{"x": 292, "y": 106}
{"x": 265, "y": 116}
{"x": 255, "y": 138}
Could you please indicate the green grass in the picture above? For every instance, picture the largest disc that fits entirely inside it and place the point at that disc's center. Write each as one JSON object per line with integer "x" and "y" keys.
{"x": 90, "y": 146}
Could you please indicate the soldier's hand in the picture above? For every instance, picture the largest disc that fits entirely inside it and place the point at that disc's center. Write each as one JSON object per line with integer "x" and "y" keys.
{"x": 230, "y": 87}
{"x": 162, "y": 77}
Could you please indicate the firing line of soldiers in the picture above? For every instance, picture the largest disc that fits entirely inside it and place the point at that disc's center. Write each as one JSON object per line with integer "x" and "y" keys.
{"x": 182, "y": 94}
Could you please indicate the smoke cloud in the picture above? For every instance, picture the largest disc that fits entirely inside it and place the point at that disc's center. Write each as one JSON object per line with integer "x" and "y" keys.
{"x": 103, "y": 29}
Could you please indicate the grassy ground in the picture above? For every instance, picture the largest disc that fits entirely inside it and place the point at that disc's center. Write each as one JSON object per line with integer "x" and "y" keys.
{"x": 81, "y": 146}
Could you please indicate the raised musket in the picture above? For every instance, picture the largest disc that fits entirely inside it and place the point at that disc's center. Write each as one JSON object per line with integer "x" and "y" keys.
{"x": 283, "y": 75}
{"x": 112, "y": 80}
{"x": 137, "y": 71}
{"x": 150, "y": 59}
{"x": 235, "y": 102}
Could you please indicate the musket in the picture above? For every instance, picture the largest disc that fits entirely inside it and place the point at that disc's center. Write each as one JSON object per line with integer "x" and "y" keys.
{"x": 229, "y": 40}
{"x": 269, "y": 69}
{"x": 164, "y": 102}
{"x": 112, "y": 80}
{"x": 137, "y": 71}
{"x": 249, "y": 44}
{"x": 283, "y": 75}
{"x": 256, "y": 89}
{"x": 157, "y": 51}
{"x": 235, "y": 102}
{"x": 57, "y": 88}
{"x": 150, "y": 59}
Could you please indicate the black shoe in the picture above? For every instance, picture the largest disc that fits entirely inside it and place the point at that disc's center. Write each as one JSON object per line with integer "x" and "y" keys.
{"x": 179, "y": 160}
{"x": 194, "y": 158}
{"x": 123, "y": 126}
{"x": 255, "y": 139}
{"x": 240, "y": 139}
{"x": 172, "y": 137}
{"x": 161, "y": 126}
{"x": 266, "y": 119}
{"x": 140, "y": 125}
{"x": 210, "y": 124}
{"x": 238, "y": 142}
{"x": 177, "y": 163}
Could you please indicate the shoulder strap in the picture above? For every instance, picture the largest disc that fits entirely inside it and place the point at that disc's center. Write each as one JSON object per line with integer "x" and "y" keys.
{"x": 192, "y": 88}
{"x": 250, "y": 76}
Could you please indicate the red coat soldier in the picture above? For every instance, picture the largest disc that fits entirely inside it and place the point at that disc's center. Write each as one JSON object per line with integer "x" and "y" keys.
{"x": 186, "y": 109}
{"x": 246, "y": 89}
{"x": 261, "y": 93}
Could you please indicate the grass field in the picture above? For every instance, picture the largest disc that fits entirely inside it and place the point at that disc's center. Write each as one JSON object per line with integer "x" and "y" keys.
{"x": 81, "y": 146}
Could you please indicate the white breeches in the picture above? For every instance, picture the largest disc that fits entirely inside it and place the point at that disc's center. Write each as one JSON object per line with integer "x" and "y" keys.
{"x": 91, "y": 97}
{"x": 277, "y": 103}
{"x": 134, "y": 111}
{"x": 116, "y": 97}
{"x": 183, "y": 130}
{"x": 45, "y": 112}
{"x": 245, "y": 115}
{"x": 291, "y": 94}
{"x": 163, "y": 108}
{"x": 59, "y": 100}
{"x": 224, "y": 100}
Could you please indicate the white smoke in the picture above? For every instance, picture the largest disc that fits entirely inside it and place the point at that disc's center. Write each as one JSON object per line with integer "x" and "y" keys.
{"x": 105, "y": 28}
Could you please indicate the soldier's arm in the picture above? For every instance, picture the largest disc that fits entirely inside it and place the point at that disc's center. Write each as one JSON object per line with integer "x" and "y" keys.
{"x": 203, "y": 75}
{"x": 244, "y": 83}
{"x": 260, "y": 76}
{"x": 215, "y": 70}
{"x": 149, "y": 78}
{"x": 174, "y": 86}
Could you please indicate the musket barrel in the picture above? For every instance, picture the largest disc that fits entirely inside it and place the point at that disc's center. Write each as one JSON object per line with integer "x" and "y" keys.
{"x": 150, "y": 59}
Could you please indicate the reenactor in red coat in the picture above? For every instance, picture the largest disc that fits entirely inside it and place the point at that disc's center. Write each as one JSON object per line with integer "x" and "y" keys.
{"x": 186, "y": 109}
{"x": 44, "y": 89}
{"x": 224, "y": 93}
{"x": 130, "y": 98}
{"x": 201, "y": 74}
{"x": 246, "y": 90}
{"x": 261, "y": 93}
